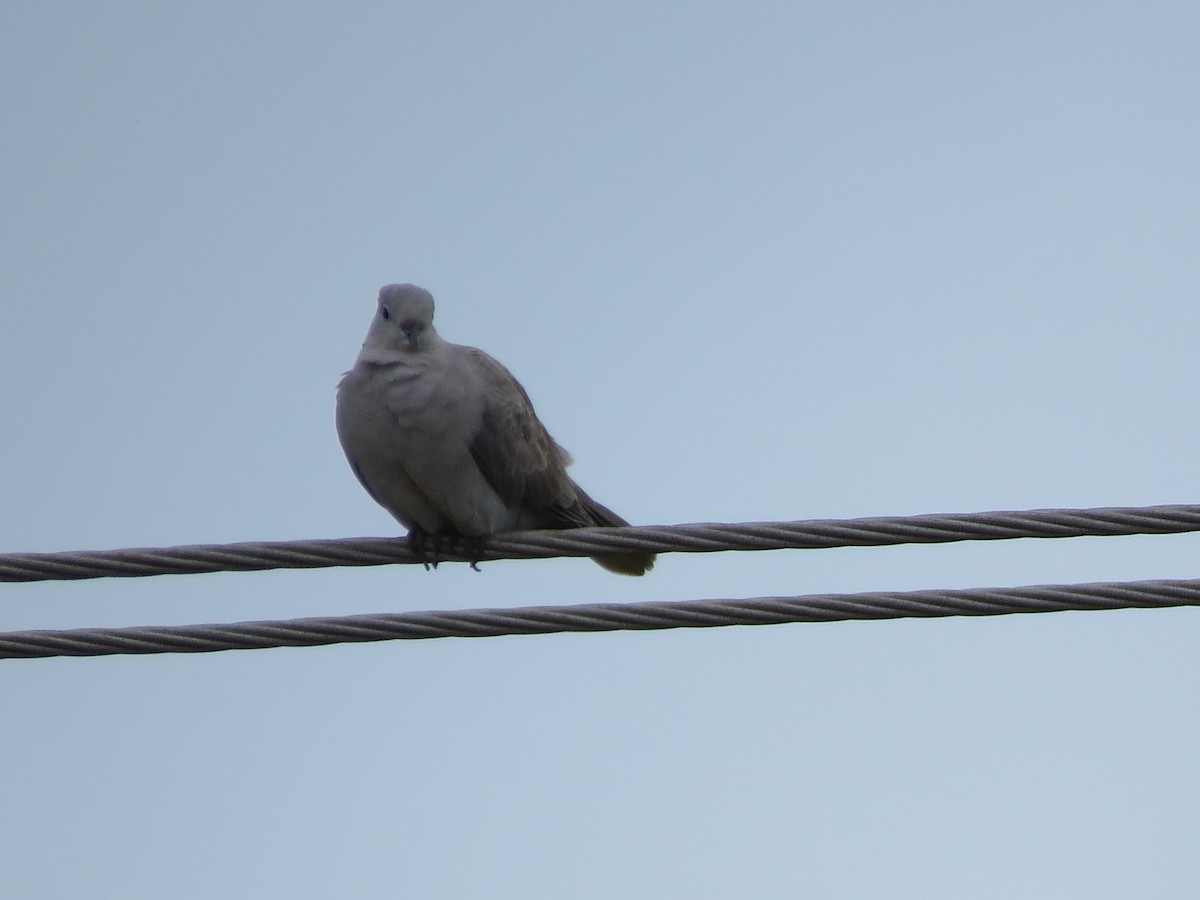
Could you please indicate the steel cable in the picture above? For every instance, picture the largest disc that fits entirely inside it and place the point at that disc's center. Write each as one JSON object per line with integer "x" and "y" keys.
{"x": 598, "y": 617}
{"x": 697, "y": 538}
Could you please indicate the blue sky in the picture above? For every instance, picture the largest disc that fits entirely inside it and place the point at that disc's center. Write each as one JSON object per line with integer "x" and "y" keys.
{"x": 752, "y": 262}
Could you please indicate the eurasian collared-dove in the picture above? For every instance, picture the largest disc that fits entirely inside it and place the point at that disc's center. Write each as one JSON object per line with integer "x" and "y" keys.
{"x": 445, "y": 439}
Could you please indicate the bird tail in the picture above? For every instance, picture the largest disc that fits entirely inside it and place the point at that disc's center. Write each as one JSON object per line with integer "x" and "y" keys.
{"x": 623, "y": 563}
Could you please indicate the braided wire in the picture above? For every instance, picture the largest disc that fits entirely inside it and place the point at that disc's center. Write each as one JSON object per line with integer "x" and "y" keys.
{"x": 698, "y": 538}
{"x": 598, "y": 617}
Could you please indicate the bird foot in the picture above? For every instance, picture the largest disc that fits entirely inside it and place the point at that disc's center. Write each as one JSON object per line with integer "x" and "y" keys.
{"x": 425, "y": 546}
{"x": 472, "y": 548}
{"x": 432, "y": 549}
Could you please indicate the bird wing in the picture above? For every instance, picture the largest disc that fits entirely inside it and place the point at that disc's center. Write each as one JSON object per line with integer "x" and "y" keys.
{"x": 515, "y": 453}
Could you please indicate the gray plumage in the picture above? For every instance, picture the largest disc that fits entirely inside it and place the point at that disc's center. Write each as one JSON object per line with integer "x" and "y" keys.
{"x": 445, "y": 439}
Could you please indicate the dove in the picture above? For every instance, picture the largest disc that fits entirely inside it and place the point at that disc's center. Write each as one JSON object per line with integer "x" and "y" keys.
{"x": 445, "y": 439}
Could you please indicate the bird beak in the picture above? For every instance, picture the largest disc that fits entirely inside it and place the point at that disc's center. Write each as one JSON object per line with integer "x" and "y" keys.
{"x": 413, "y": 335}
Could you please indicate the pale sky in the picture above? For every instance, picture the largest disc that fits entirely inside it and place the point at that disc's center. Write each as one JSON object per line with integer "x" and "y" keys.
{"x": 756, "y": 261}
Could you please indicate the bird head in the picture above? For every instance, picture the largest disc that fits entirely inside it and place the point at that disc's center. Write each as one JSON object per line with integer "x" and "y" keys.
{"x": 403, "y": 320}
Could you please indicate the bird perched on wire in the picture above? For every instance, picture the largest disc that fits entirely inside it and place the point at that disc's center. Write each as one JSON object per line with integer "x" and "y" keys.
{"x": 445, "y": 439}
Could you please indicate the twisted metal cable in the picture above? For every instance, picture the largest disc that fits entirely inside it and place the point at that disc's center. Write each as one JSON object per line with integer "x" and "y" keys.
{"x": 699, "y": 538}
{"x": 598, "y": 617}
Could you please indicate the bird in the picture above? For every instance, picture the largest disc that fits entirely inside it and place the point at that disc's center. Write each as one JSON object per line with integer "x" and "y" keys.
{"x": 445, "y": 439}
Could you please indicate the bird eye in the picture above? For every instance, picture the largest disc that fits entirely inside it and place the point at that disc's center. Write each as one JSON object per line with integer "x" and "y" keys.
{"x": 383, "y": 311}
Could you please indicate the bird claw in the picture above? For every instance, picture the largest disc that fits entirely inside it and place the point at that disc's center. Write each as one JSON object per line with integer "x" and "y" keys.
{"x": 470, "y": 549}
{"x": 424, "y": 547}
{"x": 473, "y": 548}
